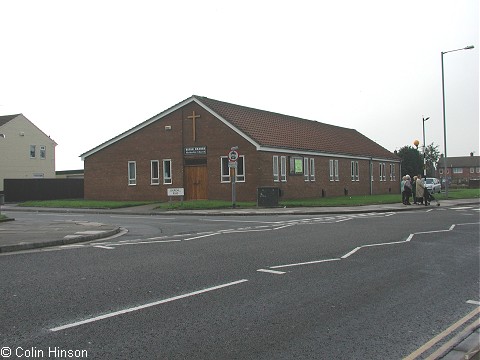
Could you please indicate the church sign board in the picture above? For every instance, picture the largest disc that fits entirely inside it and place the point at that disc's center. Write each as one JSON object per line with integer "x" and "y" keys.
{"x": 195, "y": 150}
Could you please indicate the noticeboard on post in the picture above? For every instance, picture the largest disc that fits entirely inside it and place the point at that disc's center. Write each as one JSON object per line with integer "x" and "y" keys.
{"x": 176, "y": 192}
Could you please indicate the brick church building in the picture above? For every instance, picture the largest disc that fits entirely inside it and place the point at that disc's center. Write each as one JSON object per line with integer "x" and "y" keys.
{"x": 187, "y": 146}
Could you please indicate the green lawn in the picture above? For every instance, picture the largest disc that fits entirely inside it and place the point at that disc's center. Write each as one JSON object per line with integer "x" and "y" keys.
{"x": 218, "y": 204}
{"x": 87, "y": 204}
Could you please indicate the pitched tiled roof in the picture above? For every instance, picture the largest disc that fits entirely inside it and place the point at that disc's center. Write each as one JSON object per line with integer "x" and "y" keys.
{"x": 6, "y": 118}
{"x": 460, "y": 161}
{"x": 270, "y": 130}
{"x": 274, "y": 130}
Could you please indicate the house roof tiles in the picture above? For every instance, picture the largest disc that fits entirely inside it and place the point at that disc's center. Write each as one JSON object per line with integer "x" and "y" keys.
{"x": 275, "y": 130}
{"x": 6, "y": 118}
{"x": 269, "y": 130}
{"x": 460, "y": 161}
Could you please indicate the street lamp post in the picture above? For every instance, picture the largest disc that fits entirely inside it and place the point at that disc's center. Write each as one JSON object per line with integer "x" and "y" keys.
{"x": 1, "y": 196}
{"x": 444, "y": 119}
{"x": 424, "y": 158}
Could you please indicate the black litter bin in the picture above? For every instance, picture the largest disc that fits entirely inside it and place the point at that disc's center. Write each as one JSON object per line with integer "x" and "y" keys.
{"x": 268, "y": 196}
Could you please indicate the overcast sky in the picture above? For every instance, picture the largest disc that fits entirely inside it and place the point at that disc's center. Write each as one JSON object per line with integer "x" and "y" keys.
{"x": 86, "y": 71}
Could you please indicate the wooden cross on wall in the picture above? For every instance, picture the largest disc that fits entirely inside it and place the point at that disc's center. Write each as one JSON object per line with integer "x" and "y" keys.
{"x": 193, "y": 117}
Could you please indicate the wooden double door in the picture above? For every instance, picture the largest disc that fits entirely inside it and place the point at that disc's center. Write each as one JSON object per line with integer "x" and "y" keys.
{"x": 196, "y": 182}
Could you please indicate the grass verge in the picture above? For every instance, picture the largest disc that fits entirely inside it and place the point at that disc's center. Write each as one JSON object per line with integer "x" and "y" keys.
{"x": 86, "y": 204}
{"x": 219, "y": 204}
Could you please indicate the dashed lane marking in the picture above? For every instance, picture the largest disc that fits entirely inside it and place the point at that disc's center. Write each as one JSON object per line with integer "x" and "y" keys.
{"x": 141, "y": 307}
{"x": 272, "y": 271}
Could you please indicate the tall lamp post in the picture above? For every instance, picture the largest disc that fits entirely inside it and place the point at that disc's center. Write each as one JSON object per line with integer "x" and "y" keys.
{"x": 444, "y": 120}
{"x": 424, "y": 158}
{"x": 1, "y": 196}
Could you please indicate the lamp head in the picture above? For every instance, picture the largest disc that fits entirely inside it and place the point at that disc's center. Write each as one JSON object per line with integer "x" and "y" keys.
{"x": 468, "y": 47}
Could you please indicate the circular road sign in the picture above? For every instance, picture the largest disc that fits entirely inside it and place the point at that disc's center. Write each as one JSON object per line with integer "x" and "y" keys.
{"x": 233, "y": 155}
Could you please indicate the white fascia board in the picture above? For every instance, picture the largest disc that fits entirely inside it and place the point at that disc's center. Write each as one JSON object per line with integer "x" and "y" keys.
{"x": 227, "y": 123}
{"x": 317, "y": 153}
{"x": 136, "y": 128}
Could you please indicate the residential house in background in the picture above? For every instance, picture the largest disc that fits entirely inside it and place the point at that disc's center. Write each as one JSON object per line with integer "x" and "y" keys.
{"x": 69, "y": 174}
{"x": 189, "y": 147}
{"x": 460, "y": 170}
{"x": 25, "y": 150}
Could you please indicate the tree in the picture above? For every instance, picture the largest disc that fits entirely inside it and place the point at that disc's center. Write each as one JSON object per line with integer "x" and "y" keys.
{"x": 412, "y": 161}
{"x": 431, "y": 155}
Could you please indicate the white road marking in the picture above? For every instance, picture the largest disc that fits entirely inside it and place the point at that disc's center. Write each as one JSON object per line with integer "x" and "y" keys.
{"x": 462, "y": 208}
{"x": 141, "y": 307}
{"x": 272, "y": 271}
{"x": 199, "y": 237}
{"x": 144, "y": 242}
{"x": 303, "y": 263}
{"x": 242, "y": 221}
{"x": 473, "y": 302}
{"x": 351, "y": 252}
{"x": 409, "y": 238}
{"x": 152, "y": 217}
{"x": 104, "y": 247}
{"x": 52, "y": 214}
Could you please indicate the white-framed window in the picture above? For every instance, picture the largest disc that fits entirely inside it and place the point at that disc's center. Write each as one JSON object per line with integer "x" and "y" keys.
{"x": 355, "y": 175}
{"x": 132, "y": 173}
{"x": 283, "y": 168}
{"x": 383, "y": 175}
{"x": 312, "y": 169}
{"x": 477, "y": 170}
{"x": 393, "y": 176}
{"x": 33, "y": 151}
{"x": 167, "y": 171}
{"x": 306, "y": 173}
{"x": 154, "y": 172}
{"x": 43, "y": 152}
{"x": 240, "y": 169}
{"x": 296, "y": 165}
{"x": 334, "y": 170}
{"x": 276, "y": 174}
{"x": 458, "y": 170}
{"x": 225, "y": 170}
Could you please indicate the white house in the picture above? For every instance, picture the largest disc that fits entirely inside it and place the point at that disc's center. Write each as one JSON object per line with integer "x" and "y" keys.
{"x": 25, "y": 150}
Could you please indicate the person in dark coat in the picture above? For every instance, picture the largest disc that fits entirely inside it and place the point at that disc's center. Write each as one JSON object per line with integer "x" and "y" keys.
{"x": 408, "y": 190}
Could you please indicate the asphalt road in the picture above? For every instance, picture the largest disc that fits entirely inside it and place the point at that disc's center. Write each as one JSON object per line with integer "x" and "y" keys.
{"x": 363, "y": 286}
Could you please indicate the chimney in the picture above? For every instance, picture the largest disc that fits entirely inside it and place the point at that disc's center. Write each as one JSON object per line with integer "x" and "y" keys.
{"x": 471, "y": 154}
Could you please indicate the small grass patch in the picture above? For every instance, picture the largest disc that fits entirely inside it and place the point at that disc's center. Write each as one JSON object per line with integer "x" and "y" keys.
{"x": 344, "y": 201}
{"x": 459, "y": 194}
{"x": 84, "y": 204}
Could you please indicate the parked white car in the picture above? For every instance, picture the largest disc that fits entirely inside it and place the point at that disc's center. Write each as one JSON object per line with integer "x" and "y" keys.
{"x": 433, "y": 185}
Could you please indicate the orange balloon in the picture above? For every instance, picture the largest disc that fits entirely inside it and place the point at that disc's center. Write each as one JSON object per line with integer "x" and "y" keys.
{"x": 416, "y": 143}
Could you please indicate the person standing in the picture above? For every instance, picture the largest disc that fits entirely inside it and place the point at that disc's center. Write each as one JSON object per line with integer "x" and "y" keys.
{"x": 414, "y": 190}
{"x": 421, "y": 190}
{"x": 402, "y": 189}
{"x": 408, "y": 190}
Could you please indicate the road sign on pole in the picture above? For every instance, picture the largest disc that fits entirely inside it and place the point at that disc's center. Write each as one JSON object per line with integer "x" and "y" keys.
{"x": 233, "y": 155}
{"x": 232, "y": 164}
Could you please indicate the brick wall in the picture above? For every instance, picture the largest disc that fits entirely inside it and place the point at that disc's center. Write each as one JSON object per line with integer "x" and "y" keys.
{"x": 106, "y": 171}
